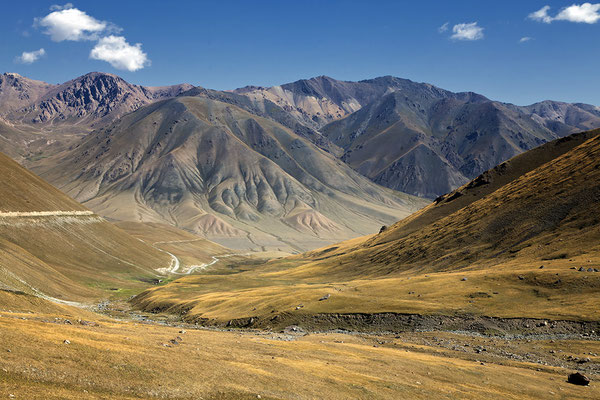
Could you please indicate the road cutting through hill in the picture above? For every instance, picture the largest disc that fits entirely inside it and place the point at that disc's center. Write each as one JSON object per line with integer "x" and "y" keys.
{"x": 18, "y": 214}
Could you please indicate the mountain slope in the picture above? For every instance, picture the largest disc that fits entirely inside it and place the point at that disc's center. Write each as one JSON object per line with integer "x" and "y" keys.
{"x": 536, "y": 205}
{"x": 520, "y": 241}
{"x": 218, "y": 170}
{"x": 426, "y": 141}
{"x": 50, "y": 245}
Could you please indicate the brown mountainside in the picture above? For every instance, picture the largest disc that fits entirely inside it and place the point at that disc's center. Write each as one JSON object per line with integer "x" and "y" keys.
{"x": 216, "y": 169}
{"x": 539, "y": 205}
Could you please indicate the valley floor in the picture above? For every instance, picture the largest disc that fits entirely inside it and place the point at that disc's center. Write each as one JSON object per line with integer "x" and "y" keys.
{"x": 76, "y": 354}
{"x": 245, "y": 328}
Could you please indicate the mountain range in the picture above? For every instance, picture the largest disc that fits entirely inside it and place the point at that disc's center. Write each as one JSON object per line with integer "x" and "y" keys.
{"x": 307, "y": 161}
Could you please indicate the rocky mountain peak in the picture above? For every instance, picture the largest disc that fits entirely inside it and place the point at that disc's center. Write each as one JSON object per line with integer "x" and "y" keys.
{"x": 89, "y": 99}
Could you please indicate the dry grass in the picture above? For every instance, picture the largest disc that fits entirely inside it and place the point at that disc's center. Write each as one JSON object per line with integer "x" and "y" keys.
{"x": 496, "y": 291}
{"x": 21, "y": 190}
{"x": 128, "y": 360}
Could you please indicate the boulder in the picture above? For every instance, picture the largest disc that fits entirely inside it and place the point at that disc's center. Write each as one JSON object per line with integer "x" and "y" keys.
{"x": 578, "y": 378}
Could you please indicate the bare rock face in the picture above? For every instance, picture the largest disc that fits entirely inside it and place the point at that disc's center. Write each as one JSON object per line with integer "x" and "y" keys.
{"x": 17, "y": 92}
{"x": 318, "y": 101}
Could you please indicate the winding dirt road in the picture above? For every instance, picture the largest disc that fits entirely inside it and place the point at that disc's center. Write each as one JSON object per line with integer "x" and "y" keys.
{"x": 176, "y": 264}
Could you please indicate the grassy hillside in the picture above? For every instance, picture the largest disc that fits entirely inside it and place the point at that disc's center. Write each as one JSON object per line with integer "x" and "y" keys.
{"x": 50, "y": 245}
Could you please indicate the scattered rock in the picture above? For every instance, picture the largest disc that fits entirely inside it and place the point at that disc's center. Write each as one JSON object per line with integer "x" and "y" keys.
{"x": 383, "y": 229}
{"x": 87, "y": 323}
{"x": 578, "y": 379}
{"x": 541, "y": 267}
{"x": 294, "y": 330}
{"x": 596, "y": 270}
{"x": 581, "y": 269}
{"x": 463, "y": 279}
{"x": 182, "y": 331}
{"x": 521, "y": 277}
{"x": 8, "y": 351}
{"x": 326, "y": 297}
{"x": 590, "y": 270}
{"x": 66, "y": 341}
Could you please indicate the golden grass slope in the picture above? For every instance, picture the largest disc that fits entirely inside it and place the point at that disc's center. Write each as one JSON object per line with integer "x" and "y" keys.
{"x": 21, "y": 190}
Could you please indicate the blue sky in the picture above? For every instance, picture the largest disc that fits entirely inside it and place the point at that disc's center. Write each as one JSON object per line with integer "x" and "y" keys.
{"x": 227, "y": 44}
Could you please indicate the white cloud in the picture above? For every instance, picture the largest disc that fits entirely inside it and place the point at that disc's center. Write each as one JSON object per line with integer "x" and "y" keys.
{"x": 470, "y": 31}
{"x": 72, "y": 24}
{"x": 117, "y": 52}
{"x": 69, "y": 23}
{"x": 525, "y": 39}
{"x": 56, "y": 7}
{"x": 541, "y": 15}
{"x": 29, "y": 57}
{"x": 444, "y": 27}
{"x": 585, "y": 13}
{"x": 580, "y": 13}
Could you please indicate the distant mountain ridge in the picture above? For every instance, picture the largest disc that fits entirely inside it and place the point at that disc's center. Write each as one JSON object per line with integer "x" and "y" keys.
{"x": 320, "y": 100}
{"x": 418, "y": 138}
{"x": 92, "y": 99}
